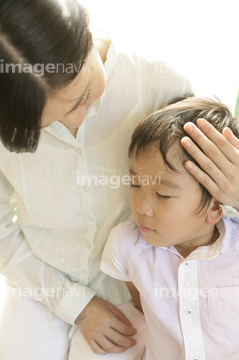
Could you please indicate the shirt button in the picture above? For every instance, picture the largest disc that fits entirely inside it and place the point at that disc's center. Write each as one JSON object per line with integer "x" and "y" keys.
{"x": 88, "y": 245}
{"x": 90, "y": 218}
{"x": 195, "y": 358}
{"x": 86, "y": 188}
{"x": 78, "y": 150}
{"x": 186, "y": 264}
{"x": 189, "y": 312}
{"x": 84, "y": 272}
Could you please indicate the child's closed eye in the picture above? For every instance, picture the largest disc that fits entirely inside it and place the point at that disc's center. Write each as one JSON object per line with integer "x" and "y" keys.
{"x": 164, "y": 197}
{"x": 134, "y": 185}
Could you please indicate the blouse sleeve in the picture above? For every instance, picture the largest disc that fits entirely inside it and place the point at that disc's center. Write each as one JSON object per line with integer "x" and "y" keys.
{"x": 34, "y": 277}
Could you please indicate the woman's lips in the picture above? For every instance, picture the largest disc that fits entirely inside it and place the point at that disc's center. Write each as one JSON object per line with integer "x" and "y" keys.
{"x": 145, "y": 229}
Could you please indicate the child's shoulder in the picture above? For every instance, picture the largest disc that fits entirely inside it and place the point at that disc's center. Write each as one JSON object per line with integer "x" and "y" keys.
{"x": 122, "y": 241}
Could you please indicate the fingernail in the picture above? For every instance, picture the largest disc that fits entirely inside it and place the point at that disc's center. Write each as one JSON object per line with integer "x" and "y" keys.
{"x": 201, "y": 123}
{"x": 188, "y": 127}
{"x": 186, "y": 142}
{"x": 188, "y": 165}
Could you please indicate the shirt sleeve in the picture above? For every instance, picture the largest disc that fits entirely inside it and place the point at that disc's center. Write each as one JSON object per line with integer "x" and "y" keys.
{"x": 113, "y": 263}
{"x": 34, "y": 277}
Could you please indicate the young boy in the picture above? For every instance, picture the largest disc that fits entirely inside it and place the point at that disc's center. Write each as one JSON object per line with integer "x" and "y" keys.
{"x": 178, "y": 252}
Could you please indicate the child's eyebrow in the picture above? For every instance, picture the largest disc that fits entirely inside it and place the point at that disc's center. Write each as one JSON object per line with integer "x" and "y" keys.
{"x": 169, "y": 184}
{"x": 161, "y": 182}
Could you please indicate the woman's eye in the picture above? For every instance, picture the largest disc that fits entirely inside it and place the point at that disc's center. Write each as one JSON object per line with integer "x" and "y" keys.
{"x": 82, "y": 104}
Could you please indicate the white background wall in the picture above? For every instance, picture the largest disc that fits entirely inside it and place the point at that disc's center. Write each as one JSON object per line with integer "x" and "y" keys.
{"x": 199, "y": 38}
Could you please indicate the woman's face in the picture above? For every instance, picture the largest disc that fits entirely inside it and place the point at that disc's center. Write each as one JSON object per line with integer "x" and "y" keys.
{"x": 70, "y": 104}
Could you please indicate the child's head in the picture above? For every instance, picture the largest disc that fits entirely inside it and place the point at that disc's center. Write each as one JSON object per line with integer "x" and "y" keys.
{"x": 168, "y": 204}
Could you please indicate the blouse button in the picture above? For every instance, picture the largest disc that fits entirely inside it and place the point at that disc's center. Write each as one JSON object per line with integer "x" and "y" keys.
{"x": 86, "y": 188}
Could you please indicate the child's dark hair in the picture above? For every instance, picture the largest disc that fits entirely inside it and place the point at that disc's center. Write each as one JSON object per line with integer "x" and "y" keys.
{"x": 165, "y": 127}
{"x": 35, "y": 32}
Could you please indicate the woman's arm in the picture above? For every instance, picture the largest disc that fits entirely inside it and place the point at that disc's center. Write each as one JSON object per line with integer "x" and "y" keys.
{"x": 34, "y": 277}
{"x": 105, "y": 327}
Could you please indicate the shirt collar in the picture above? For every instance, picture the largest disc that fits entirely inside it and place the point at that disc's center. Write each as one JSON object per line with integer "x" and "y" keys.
{"x": 142, "y": 242}
{"x": 230, "y": 242}
{"x": 227, "y": 242}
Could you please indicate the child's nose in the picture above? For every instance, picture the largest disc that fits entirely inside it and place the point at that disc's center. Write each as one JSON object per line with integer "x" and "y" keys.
{"x": 144, "y": 208}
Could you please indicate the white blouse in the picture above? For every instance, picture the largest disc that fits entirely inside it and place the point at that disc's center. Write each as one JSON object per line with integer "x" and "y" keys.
{"x": 58, "y": 205}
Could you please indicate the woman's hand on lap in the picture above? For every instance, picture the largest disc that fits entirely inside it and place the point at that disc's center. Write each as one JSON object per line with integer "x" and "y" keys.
{"x": 105, "y": 328}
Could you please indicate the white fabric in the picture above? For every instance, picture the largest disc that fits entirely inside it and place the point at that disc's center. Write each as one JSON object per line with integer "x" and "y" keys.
{"x": 63, "y": 222}
{"x": 30, "y": 332}
{"x": 191, "y": 305}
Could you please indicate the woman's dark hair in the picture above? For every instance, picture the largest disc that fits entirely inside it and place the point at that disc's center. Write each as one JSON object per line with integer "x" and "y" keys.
{"x": 165, "y": 128}
{"x": 51, "y": 35}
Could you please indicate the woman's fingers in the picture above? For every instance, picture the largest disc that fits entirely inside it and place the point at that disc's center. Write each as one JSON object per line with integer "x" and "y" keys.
{"x": 204, "y": 179}
{"x": 210, "y": 168}
{"x": 115, "y": 343}
{"x": 105, "y": 328}
{"x": 218, "y": 156}
{"x": 228, "y": 134}
{"x": 213, "y": 143}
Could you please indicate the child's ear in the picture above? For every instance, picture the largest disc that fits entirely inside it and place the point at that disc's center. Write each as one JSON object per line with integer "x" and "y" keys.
{"x": 214, "y": 213}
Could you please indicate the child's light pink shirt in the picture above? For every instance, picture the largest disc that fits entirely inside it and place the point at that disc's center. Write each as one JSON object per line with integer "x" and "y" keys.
{"x": 191, "y": 305}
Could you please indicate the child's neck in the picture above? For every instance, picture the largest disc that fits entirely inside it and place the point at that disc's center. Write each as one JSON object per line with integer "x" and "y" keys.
{"x": 186, "y": 250}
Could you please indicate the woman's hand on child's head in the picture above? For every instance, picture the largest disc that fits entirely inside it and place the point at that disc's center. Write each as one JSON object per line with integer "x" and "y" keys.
{"x": 105, "y": 328}
{"x": 219, "y": 159}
